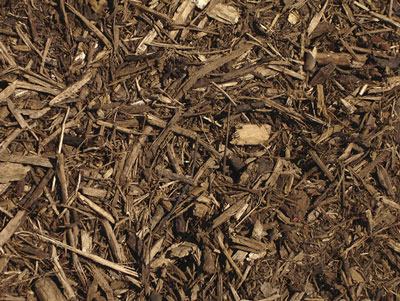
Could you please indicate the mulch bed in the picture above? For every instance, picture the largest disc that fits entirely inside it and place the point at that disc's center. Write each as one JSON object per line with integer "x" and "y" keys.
{"x": 199, "y": 150}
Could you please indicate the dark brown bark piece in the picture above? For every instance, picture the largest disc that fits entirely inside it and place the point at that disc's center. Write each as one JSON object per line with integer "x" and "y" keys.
{"x": 323, "y": 74}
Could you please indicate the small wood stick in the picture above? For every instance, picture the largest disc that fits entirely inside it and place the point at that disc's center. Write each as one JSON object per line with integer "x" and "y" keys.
{"x": 6, "y": 142}
{"x": 32, "y": 23}
{"x": 68, "y": 291}
{"x": 154, "y": 120}
{"x": 116, "y": 248}
{"x": 120, "y": 268}
{"x": 61, "y": 173}
{"x": 27, "y": 202}
{"x": 6, "y": 55}
{"x": 101, "y": 279}
{"x": 7, "y": 92}
{"x": 173, "y": 160}
{"x": 227, "y": 138}
{"x": 322, "y": 165}
{"x": 390, "y": 9}
{"x": 97, "y": 208}
{"x": 220, "y": 239}
{"x": 93, "y": 28}
{"x": 65, "y": 16}
{"x": 17, "y": 115}
{"x": 45, "y": 52}
{"x": 71, "y": 90}
{"x": 224, "y": 216}
{"x": 26, "y": 40}
{"x": 133, "y": 155}
{"x": 62, "y": 177}
{"x": 165, "y": 132}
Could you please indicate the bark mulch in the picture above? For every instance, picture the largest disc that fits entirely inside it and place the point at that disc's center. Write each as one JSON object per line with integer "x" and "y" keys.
{"x": 199, "y": 150}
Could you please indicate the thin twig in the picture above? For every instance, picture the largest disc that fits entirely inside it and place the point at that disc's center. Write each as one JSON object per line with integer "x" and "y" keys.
{"x": 226, "y": 138}
{"x": 180, "y": 199}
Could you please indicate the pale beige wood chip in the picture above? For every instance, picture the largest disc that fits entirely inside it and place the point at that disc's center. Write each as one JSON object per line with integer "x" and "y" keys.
{"x": 12, "y": 172}
{"x": 251, "y": 134}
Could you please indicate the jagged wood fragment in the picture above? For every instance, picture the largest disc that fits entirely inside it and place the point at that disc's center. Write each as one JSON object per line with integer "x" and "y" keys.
{"x": 368, "y": 169}
{"x": 210, "y": 66}
{"x": 181, "y": 15}
{"x": 341, "y": 59}
{"x": 322, "y": 165}
{"x": 61, "y": 276}
{"x": 101, "y": 279}
{"x": 220, "y": 240}
{"x": 160, "y": 139}
{"x": 4, "y": 52}
{"x": 116, "y": 247}
{"x": 26, "y": 202}
{"x": 173, "y": 159}
{"x": 119, "y": 128}
{"x": 250, "y": 244}
{"x": 74, "y": 88}
{"x": 40, "y": 87}
{"x": 12, "y": 172}
{"x": 224, "y": 13}
{"x": 323, "y": 74}
{"x": 176, "y": 177}
{"x": 287, "y": 71}
{"x": 17, "y": 114}
{"x": 251, "y": 134}
{"x": 378, "y": 15}
{"x": 385, "y": 180}
{"x": 7, "y": 141}
{"x": 8, "y": 91}
{"x": 277, "y": 106}
{"x": 228, "y": 213}
{"x": 47, "y": 290}
{"x": 154, "y": 120}
{"x": 92, "y": 27}
{"x": 118, "y": 267}
{"x": 28, "y": 160}
{"x": 316, "y": 19}
{"x": 95, "y": 192}
{"x": 153, "y": 12}
{"x": 97, "y": 208}
{"x": 133, "y": 155}
{"x": 24, "y": 37}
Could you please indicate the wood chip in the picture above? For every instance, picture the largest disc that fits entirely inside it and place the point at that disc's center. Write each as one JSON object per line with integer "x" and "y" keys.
{"x": 251, "y": 134}
{"x": 224, "y": 13}
{"x": 186, "y": 149}
{"x": 12, "y": 172}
